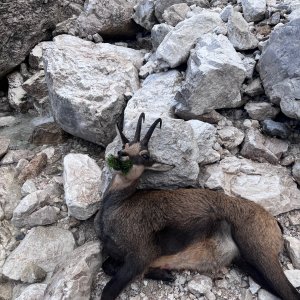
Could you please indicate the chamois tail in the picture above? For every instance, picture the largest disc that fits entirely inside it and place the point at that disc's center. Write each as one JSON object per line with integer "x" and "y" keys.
{"x": 262, "y": 264}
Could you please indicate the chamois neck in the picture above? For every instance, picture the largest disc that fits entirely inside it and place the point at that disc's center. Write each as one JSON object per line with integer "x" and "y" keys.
{"x": 120, "y": 189}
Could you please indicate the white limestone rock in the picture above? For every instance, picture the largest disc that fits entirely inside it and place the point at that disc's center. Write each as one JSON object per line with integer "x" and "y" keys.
{"x": 87, "y": 83}
{"x": 33, "y": 292}
{"x": 261, "y": 110}
{"x": 230, "y": 137}
{"x": 214, "y": 77}
{"x": 239, "y": 33}
{"x": 293, "y": 249}
{"x": 144, "y": 14}
{"x": 72, "y": 278}
{"x": 254, "y": 10}
{"x": 43, "y": 246}
{"x": 270, "y": 186}
{"x": 294, "y": 277}
{"x": 175, "y": 47}
{"x": 82, "y": 180}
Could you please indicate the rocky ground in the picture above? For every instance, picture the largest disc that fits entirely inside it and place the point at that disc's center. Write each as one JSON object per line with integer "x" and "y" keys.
{"x": 223, "y": 76}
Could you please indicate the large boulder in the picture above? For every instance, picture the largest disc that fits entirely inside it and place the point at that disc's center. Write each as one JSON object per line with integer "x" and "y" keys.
{"x": 214, "y": 77}
{"x": 180, "y": 143}
{"x": 72, "y": 278}
{"x": 24, "y": 24}
{"x": 176, "y": 46}
{"x": 106, "y": 17}
{"x": 271, "y": 186}
{"x": 87, "y": 84}
{"x": 279, "y": 67}
{"x": 254, "y": 10}
{"x": 162, "y": 5}
{"x": 82, "y": 180}
{"x": 42, "y": 246}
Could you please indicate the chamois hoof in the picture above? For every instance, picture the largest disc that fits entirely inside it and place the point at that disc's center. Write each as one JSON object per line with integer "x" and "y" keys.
{"x": 160, "y": 274}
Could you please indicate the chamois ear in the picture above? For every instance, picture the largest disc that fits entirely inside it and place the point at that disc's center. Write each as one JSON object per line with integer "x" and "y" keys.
{"x": 159, "y": 167}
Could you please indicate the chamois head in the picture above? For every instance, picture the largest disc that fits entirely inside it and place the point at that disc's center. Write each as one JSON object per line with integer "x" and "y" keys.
{"x": 134, "y": 157}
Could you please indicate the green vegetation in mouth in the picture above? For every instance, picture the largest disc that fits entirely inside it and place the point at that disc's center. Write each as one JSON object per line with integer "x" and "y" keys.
{"x": 119, "y": 165}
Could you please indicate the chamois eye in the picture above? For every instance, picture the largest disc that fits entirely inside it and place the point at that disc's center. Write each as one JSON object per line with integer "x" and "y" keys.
{"x": 145, "y": 156}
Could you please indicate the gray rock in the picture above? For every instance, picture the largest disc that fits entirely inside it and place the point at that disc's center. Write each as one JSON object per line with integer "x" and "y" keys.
{"x": 43, "y": 246}
{"x": 35, "y": 58}
{"x": 263, "y": 149}
{"x": 275, "y": 18}
{"x": 144, "y": 14}
{"x": 36, "y": 86}
{"x": 33, "y": 273}
{"x": 97, "y": 38}
{"x": 72, "y": 278}
{"x": 98, "y": 73}
{"x": 270, "y": 186}
{"x": 294, "y": 14}
{"x": 82, "y": 178}
{"x": 6, "y": 290}
{"x": 249, "y": 64}
{"x": 254, "y": 10}
{"x": 293, "y": 248}
{"x": 230, "y": 137}
{"x": 175, "y": 47}
{"x": 176, "y": 13}
{"x": 155, "y": 98}
{"x": 278, "y": 67}
{"x": 158, "y": 33}
{"x": 44, "y": 216}
{"x": 17, "y": 96}
{"x": 162, "y": 5}
{"x": 254, "y": 88}
{"x": 10, "y": 191}
{"x": 205, "y": 135}
{"x": 293, "y": 276}
{"x": 28, "y": 23}
{"x": 296, "y": 172}
{"x": 200, "y": 285}
{"x": 265, "y": 295}
{"x": 28, "y": 205}
{"x": 8, "y": 243}
{"x": 33, "y": 292}
{"x": 213, "y": 78}
{"x": 13, "y": 156}
{"x": 239, "y": 33}
{"x": 253, "y": 286}
{"x": 106, "y": 17}
{"x": 273, "y": 128}
{"x": 226, "y": 12}
{"x": 4, "y": 145}
{"x": 261, "y": 110}
{"x": 7, "y": 121}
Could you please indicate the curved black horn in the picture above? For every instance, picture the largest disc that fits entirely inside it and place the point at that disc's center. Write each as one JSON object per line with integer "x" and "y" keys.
{"x": 123, "y": 137}
{"x": 148, "y": 135}
{"x": 139, "y": 127}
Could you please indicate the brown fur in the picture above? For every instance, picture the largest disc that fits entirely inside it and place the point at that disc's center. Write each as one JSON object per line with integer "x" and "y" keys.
{"x": 185, "y": 229}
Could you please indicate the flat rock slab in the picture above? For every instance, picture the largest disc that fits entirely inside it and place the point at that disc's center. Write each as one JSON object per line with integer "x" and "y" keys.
{"x": 33, "y": 292}
{"x": 82, "y": 180}
{"x": 43, "y": 246}
{"x": 176, "y": 46}
{"x": 270, "y": 186}
{"x": 279, "y": 67}
{"x": 72, "y": 278}
{"x": 87, "y": 83}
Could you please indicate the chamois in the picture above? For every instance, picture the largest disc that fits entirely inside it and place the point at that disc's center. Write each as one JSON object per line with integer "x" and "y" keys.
{"x": 150, "y": 232}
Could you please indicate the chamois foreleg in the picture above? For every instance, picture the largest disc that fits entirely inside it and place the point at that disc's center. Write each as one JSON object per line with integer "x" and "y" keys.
{"x": 131, "y": 268}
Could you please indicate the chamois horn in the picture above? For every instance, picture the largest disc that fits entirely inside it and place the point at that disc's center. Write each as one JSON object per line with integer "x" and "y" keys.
{"x": 137, "y": 135}
{"x": 148, "y": 135}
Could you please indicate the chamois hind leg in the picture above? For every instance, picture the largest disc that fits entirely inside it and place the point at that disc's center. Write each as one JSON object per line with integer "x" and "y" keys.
{"x": 131, "y": 268}
{"x": 111, "y": 266}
